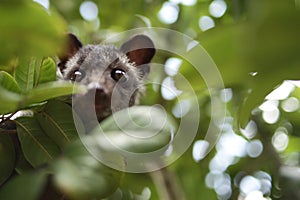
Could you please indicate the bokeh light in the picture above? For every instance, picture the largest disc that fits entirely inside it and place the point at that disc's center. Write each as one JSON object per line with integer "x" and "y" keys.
{"x": 254, "y": 187}
{"x": 220, "y": 162}
{"x": 206, "y": 23}
{"x": 184, "y": 2}
{"x": 89, "y": 10}
{"x": 168, "y": 13}
{"x": 217, "y": 8}
{"x": 188, "y": 2}
{"x": 224, "y": 191}
{"x": 249, "y": 184}
{"x": 269, "y": 105}
{"x": 44, "y": 3}
{"x": 290, "y": 104}
{"x": 270, "y": 110}
{"x": 169, "y": 90}
{"x": 172, "y": 66}
{"x": 226, "y": 95}
{"x": 254, "y": 148}
{"x": 255, "y": 195}
{"x": 280, "y": 139}
{"x": 282, "y": 92}
{"x": 271, "y": 117}
{"x": 232, "y": 144}
{"x": 200, "y": 150}
{"x": 191, "y": 45}
{"x": 250, "y": 130}
{"x": 181, "y": 108}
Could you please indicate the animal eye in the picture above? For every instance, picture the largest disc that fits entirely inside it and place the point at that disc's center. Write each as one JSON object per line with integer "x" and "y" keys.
{"x": 77, "y": 75}
{"x": 118, "y": 74}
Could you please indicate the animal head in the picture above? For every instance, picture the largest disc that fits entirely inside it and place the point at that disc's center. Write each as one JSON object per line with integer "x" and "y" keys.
{"x": 112, "y": 75}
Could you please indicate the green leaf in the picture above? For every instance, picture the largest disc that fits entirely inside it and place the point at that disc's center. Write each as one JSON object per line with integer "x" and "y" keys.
{"x": 272, "y": 41}
{"x": 228, "y": 61}
{"x": 7, "y": 155}
{"x": 45, "y": 72}
{"x": 262, "y": 86}
{"x": 28, "y": 186}
{"x": 8, "y": 82}
{"x": 9, "y": 101}
{"x": 24, "y": 74}
{"x": 29, "y": 30}
{"x": 264, "y": 45}
{"x": 271, "y": 47}
{"x": 51, "y": 90}
{"x": 22, "y": 165}
{"x": 138, "y": 129}
{"x": 37, "y": 147}
{"x": 57, "y": 121}
{"x": 80, "y": 176}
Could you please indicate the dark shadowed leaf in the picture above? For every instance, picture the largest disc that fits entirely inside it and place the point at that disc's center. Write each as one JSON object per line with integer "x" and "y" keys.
{"x": 27, "y": 186}
{"x": 22, "y": 165}
{"x": 57, "y": 121}
{"x": 79, "y": 175}
{"x": 38, "y": 148}
{"x": 289, "y": 181}
{"x": 7, "y": 155}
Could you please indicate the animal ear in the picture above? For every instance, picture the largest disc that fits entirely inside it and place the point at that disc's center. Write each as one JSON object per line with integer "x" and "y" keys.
{"x": 139, "y": 49}
{"x": 73, "y": 44}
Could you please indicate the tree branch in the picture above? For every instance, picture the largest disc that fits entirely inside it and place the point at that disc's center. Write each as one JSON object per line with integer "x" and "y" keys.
{"x": 167, "y": 185}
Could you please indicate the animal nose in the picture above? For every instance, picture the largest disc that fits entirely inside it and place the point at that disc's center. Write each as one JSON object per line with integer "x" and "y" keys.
{"x": 94, "y": 86}
{"x": 97, "y": 90}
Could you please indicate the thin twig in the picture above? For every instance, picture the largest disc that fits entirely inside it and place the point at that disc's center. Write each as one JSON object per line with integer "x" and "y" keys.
{"x": 167, "y": 185}
{"x": 5, "y": 119}
{"x": 8, "y": 131}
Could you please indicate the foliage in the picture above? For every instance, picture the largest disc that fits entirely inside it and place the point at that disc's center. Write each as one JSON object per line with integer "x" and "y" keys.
{"x": 255, "y": 47}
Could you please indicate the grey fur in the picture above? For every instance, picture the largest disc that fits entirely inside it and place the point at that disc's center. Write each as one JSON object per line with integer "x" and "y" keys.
{"x": 97, "y": 63}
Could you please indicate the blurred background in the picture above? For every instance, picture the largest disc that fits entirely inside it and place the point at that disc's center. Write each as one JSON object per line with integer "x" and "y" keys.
{"x": 255, "y": 45}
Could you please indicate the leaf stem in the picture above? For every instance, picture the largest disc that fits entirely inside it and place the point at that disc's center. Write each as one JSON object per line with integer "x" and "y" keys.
{"x": 4, "y": 125}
